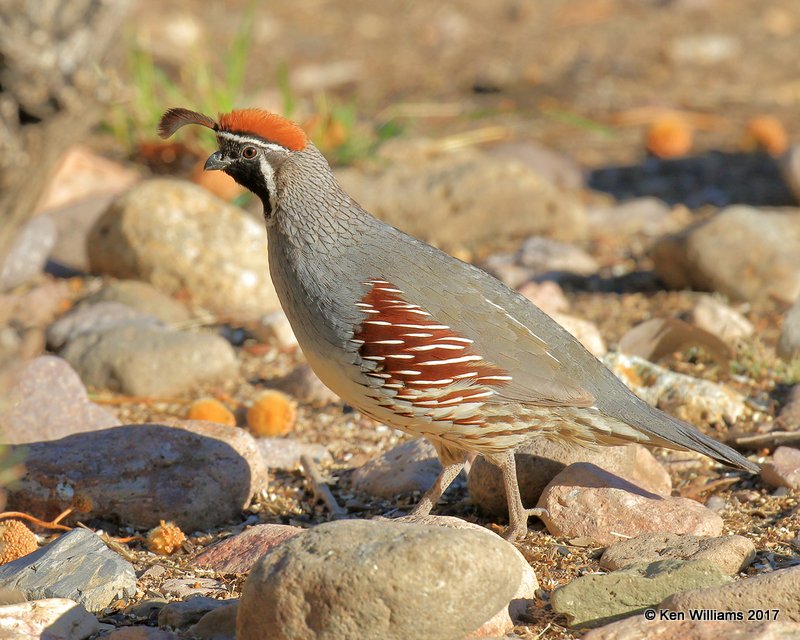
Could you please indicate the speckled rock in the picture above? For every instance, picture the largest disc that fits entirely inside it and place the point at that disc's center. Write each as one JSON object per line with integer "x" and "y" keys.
{"x": 96, "y": 319}
{"x": 179, "y": 237}
{"x": 140, "y": 474}
{"x": 239, "y": 553}
{"x": 48, "y": 401}
{"x": 742, "y": 252}
{"x": 78, "y": 566}
{"x": 789, "y": 342}
{"x": 774, "y": 590}
{"x": 53, "y": 618}
{"x": 148, "y": 361}
{"x": 408, "y": 467}
{"x": 28, "y": 253}
{"x": 638, "y": 628}
{"x": 380, "y": 580}
{"x": 512, "y": 613}
{"x": 539, "y": 461}
{"x": 731, "y": 554}
{"x": 595, "y": 600}
{"x": 783, "y": 468}
{"x": 143, "y": 297}
{"x": 585, "y": 501}
{"x": 696, "y": 401}
{"x": 274, "y": 329}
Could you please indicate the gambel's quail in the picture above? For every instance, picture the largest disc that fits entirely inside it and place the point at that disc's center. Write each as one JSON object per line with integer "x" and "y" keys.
{"x": 415, "y": 338}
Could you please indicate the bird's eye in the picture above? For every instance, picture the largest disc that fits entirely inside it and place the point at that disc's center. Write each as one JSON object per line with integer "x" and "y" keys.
{"x": 248, "y": 153}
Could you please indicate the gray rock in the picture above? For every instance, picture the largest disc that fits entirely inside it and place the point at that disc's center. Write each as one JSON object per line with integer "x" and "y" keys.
{"x": 790, "y": 168}
{"x": 219, "y": 624}
{"x": 731, "y": 554}
{"x": 555, "y": 167}
{"x": 789, "y": 342}
{"x": 716, "y": 317}
{"x": 408, "y": 467}
{"x": 182, "y": 614}
{"x": 774, "y": 590}
{"x": 179, "y": 237}
{"x": 539, "y": 461}
{"x": 143, "y": 297}
{"x": 96, "y": 319}
{"x": 638, "y": 627}
{"x": 74, "y": 221}
{"x": 51, "y": 619}
{"x": 147, "y": 361}
{"x": 28, "y": 253}
{"x": 304, "y": 385}
{"x": 742, "y": 252}
{"x": 540, "y": 258}
{"x": 284, "y": 453}
{"x": 783, "y": 468}
{"x": 78, "y": 566}
{"x": 583, "y": 501}
{"x": 449, "y": 199}
{"x": 648, "y": 216}
{"x": 595, "y": 600}
{"x": 139, "y": 474}
{"x": 379, "y": 580}
{"x": 48, "y": 401}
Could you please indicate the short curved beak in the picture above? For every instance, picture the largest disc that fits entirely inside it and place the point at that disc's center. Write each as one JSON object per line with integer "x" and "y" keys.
{"x": 216, "y": 162}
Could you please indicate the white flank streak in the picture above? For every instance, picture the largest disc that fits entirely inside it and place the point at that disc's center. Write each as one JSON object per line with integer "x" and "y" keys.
{"x": 378, "y": 323}
{"x": 417, "y": 335}
{"x": 364, "y": 304}
{"x": 400, "y": 356}
{"x": 387, "y": 342}
{"x": 409, "y": 372}
{"x": 356, "y": 341}
{"x": 501, "y": 378}
{"x": 431, "y": 347}
{"x": 456, "y": 339}
{"x": 389, "y": 290}
{"x": 471, "y": 374}
{"x": 432, "y": 382}
{"x": 419, "y": 312}
{"x": 513, "y": 319}
{"x": 416, "y": 326}
{"x": 382, "y": 376}
{"x": 375, "y": 358}
{"x": 433, "y": 363}
{"x": 392, "y": 385}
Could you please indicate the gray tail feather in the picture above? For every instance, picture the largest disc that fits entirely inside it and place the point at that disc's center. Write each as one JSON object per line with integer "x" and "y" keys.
{"x": 670, "y": 432}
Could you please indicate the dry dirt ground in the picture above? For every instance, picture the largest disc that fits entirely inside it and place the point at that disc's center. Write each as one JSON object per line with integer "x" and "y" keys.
{"x": 582, "y": 77}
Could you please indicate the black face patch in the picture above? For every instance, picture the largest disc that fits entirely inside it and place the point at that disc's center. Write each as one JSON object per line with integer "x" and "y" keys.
{"x": 248, "y": 174}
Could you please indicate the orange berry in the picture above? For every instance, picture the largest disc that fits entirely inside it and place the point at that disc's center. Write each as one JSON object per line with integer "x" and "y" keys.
{"x": 670, "y": 136}
{"x": 767, "y": 132}
{"x": 211, "y": 410}
{"x": 272, "y": 414}
{"x": 16, "y": 540}
{"x": 165, "y": 539}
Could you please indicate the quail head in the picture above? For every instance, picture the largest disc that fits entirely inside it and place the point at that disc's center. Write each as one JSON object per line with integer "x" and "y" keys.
{"x": 415, "y": 338}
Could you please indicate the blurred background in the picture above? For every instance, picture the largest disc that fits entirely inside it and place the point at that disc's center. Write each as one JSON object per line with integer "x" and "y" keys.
{"x": 630, "y": 166}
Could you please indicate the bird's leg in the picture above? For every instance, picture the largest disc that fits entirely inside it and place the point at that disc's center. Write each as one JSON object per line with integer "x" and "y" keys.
{"x": 517, "y": 513}
{"x": 432, "y": 495}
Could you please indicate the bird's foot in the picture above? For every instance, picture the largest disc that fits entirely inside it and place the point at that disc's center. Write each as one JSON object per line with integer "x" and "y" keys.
{"x": 423, "y": 508}
{"x": 518, "y": 527}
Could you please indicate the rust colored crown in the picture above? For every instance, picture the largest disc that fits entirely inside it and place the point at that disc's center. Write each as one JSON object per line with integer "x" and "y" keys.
{"x": 256, "y": 122}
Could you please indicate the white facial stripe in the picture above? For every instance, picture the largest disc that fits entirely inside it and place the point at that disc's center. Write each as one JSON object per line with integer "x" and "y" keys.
{"x": 256, "y": 142}
{"x": 269, "y": 176}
